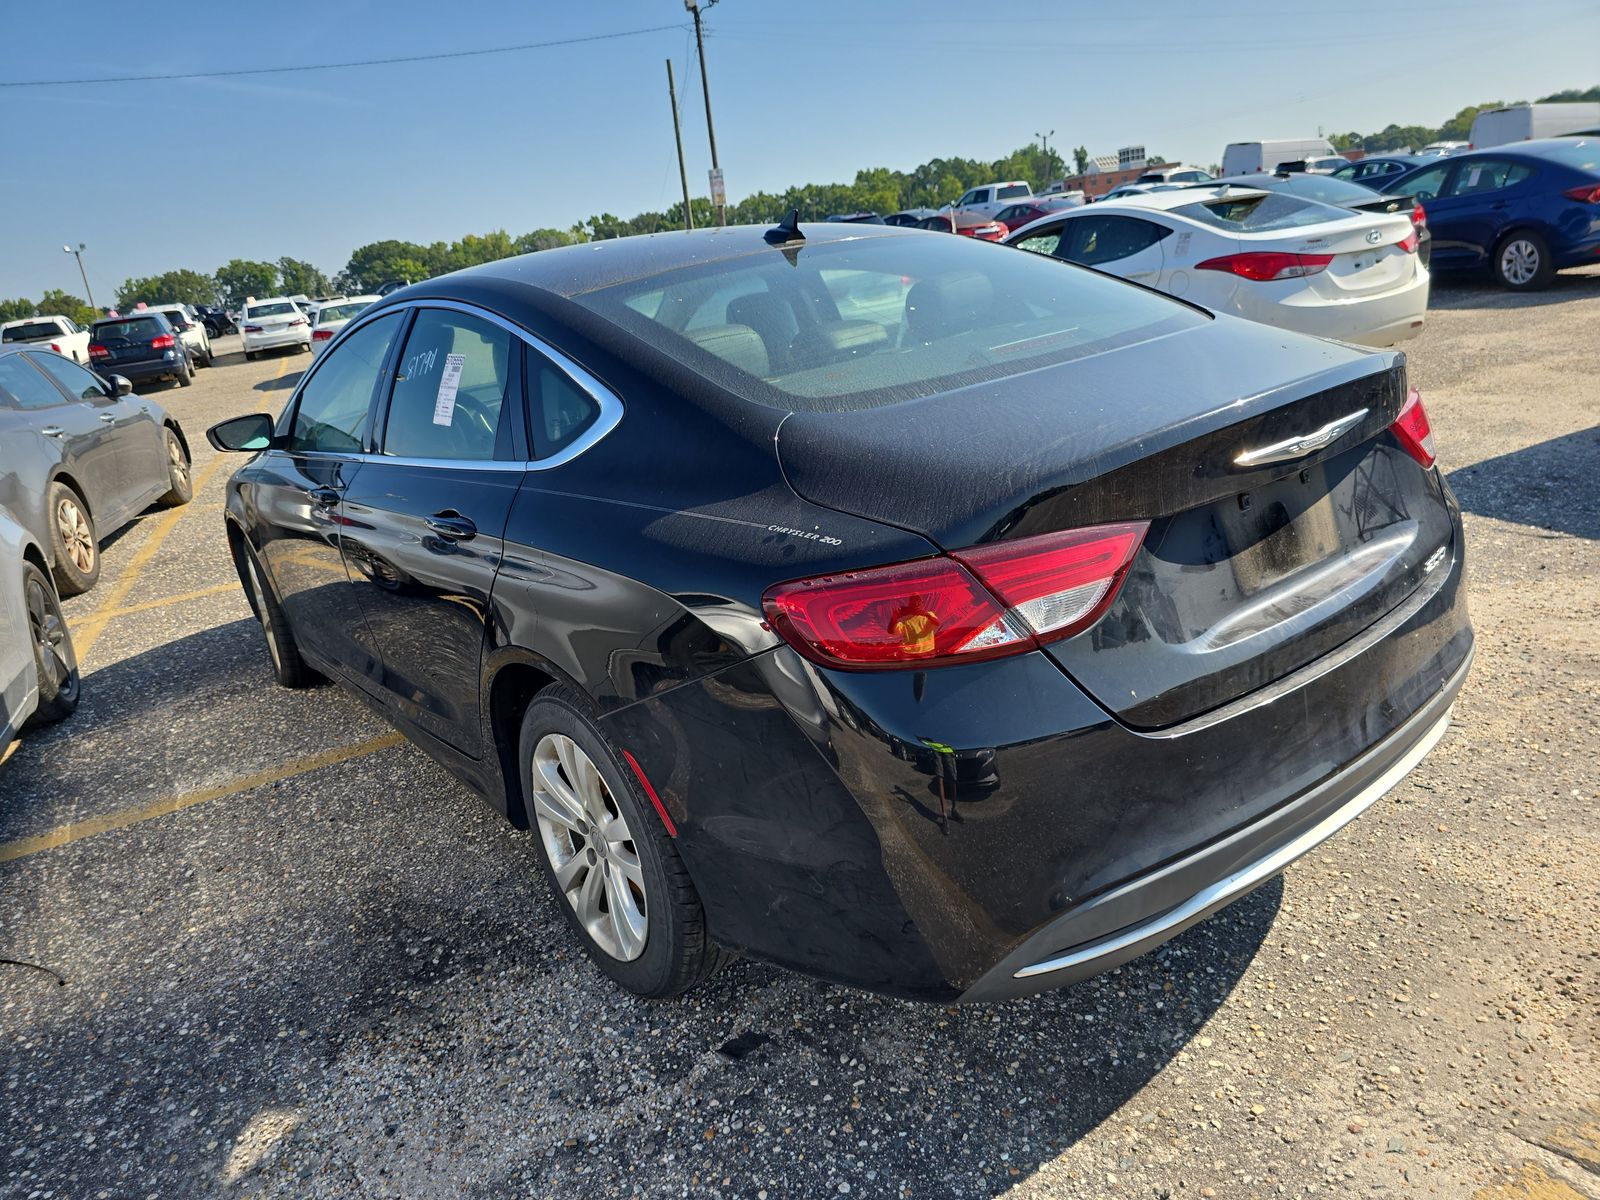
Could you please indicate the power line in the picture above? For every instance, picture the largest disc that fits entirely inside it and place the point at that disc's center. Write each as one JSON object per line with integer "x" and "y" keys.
{"x": 336, "y": 66}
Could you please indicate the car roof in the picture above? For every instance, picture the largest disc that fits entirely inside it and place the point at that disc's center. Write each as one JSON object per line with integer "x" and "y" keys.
{"x": 1166, "y": 201}
{"x": 589, "y": 266}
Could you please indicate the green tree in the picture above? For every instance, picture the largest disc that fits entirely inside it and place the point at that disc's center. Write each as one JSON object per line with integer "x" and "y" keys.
{"x": 299, "y": 278}
{"x": 377, "y": 263}
{"x": 55, "y": 301}
{"x": 182, "y": 287}
{"x": 475, "y": 249}
{"x": 1080, "y": 160}
{"x": 548, "y": 239}
{"x": 1572, "y": 96}
{"x": 240, "y": 277}
{"x": 16, "y": 310}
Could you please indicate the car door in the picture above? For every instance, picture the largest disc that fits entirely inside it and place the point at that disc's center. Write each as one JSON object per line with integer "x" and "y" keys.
{"x": 298, "y": 495}
{"x": 68, "y": 432}
{"x": 1480, "y": 200}
{"x": 1129, "y": 247}
{"x": 1449, "y": 218}
{"x": 135, "y": 429}
{"x": 426, "y": 515}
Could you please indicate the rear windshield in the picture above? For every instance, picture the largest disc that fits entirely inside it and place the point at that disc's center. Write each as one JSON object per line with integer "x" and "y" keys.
{"x": 141, "y": 329}
{"x": 1259, "y": 214}
{"x": 855, "y": 324}
{"x": 1012, "y": 192}
{"x": 282, "y": 309}
{"x": 35, "y": 332}
{"x": 1582, "y": 153}
{"x": 338, "y": 312}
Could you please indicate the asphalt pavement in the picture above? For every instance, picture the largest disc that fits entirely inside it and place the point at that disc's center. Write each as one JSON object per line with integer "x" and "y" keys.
{"x": 260, "y": 946}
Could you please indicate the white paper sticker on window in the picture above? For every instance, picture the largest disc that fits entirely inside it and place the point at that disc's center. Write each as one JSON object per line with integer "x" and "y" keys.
{"x": 444, "y": 404}
{"x": 1473, "y": 175}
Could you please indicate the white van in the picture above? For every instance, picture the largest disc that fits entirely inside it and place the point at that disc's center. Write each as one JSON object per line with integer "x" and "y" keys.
{"x": 1246, "y": 158}
{"x": 1523, "y": 122}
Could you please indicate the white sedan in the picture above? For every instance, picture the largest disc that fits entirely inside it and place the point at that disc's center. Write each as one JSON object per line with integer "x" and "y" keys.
{"x": 333, "y": 316}
{"x": 270, "y": 324}
{"x": 1266, "y": 256}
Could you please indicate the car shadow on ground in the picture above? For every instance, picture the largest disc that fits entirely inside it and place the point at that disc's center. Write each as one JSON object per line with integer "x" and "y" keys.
{"x": 1550, "y": 485}
{"x": 283, "y": 383}
{"x": 1466, "y": 291}
{"x": 228, "y": 963}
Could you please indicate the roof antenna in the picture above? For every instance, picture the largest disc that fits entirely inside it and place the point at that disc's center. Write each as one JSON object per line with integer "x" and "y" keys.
{"x": 786, "y": 230}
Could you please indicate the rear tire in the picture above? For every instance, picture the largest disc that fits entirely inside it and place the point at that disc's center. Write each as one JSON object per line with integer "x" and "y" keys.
{"x": 53, "y": 658}
{"x": 600, "y": 839}
{"x": 179, "y": 473}
{"x": 249, "y": 356}
{"x": 73, "y": 541}
{"x": 186, "y": 376}
{"x": 1522, "y": 262}
{"x": 288, "y": 668}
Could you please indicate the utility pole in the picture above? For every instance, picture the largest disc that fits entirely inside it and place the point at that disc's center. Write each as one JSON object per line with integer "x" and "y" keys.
{"x": 79, "y": 253}
{"x": 677, "y": 136}
{"x": 719, "y": 196}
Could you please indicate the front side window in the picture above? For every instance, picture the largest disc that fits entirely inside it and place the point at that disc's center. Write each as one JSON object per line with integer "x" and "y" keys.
{"x": 70, "y": 375}
{"x": 1047, "y": 242}
{"x": 333, "y": 407}
{"x": 450, "y": 388}
{"x": 1486, "y": 175}
{"x": 23, "y": 387}
{"x": 1107, "y": 239}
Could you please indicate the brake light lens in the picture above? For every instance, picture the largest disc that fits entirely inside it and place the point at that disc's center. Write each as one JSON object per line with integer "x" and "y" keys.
{"x": 1414, "y": 431}
{"x": 1409, "y": 242}
{"x": 1587, "y": 193}
{"x": 322, "y": 335}
{"x": 982, "y": 603}
{"x": 162, "y": 342}
{"x": 297, "y": 321}
{"x": 56, "y": 347}
{"x": 1419, "y": 218}
{"x": 1265, "y": 266}
{"x": 252, "y": 329}
{"x": 96, "y": 350}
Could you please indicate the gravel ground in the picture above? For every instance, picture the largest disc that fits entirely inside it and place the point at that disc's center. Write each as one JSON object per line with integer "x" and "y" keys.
{"x": 325, "y": 973}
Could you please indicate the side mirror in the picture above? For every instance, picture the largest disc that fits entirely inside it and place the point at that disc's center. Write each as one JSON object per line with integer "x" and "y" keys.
{"x": 247, "y": 433}
{"x": 121, "y": 385}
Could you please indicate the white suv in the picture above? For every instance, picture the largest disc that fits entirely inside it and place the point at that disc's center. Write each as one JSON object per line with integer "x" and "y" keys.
{"x": 191, "y": 328}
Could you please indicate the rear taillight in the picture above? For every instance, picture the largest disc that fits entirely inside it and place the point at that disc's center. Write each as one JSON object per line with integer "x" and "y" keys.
{"x": 297, "y": 321}
{"x": 162, "y": 342}
{"x": 55, "y": 347}
{"x": 981, "y": 603}
{"x": 1588, "y": 193}
{"x": 1409, "y": 242}
{"x": 1419, "y": 218}
{"x": 1264, "y": 266}
{"x": 96, "y": 350}
{"x": 1413, "y": 430}
{"x": 252, "y": 329}
{"x": 322, "y": 335}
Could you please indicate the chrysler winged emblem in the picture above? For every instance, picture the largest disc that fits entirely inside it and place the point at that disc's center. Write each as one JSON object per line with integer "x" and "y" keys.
{"x": 1301, "y": 444}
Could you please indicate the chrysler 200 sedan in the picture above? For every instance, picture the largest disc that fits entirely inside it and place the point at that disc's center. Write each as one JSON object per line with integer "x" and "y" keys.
{"x": 926, "y": 615}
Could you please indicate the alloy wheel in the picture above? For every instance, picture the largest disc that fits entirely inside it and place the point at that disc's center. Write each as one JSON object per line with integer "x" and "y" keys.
{"x": 1519, "y": 261}
{"x": 590, "y": 847}
{"x": 177, "y": 462}
{"x": 259, "y": 588}
{"x": 49, "y": 631}
{"x": 76, "y": 535}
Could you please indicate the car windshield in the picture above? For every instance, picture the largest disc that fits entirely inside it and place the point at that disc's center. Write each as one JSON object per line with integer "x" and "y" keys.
{"x": 141, "y": 329}
{"x": 38, "y": 331}
{"x": 854, "y": 324}
{"x": 338, "y": 312}
{"x": 1259, "y": 214}
{"x": 281, "y": 309}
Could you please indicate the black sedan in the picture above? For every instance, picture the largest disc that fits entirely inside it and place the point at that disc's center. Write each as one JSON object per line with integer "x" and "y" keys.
{"x": 870, "y": 603}
{"x": 80, "y": 457}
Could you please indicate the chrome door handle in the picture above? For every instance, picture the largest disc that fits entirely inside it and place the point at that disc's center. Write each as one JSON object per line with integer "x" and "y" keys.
{"x": 324, "y": 497}
{"x": 451, "y": 525}
{"x": 53, "y": 431}
{"x": 108, "y": 417}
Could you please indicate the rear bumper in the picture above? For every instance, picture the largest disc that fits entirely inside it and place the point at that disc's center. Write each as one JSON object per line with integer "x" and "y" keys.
{"x": 1382, "y": 319}
{"x": 273, "y": 341}
{"x": 1184, "y": 892}
{"x": 150, "y": 368}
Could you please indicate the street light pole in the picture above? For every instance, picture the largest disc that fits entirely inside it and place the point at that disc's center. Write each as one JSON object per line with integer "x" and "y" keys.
{"x": 705, "y": 86}
{"x": 78, "y": 253}
{"x": 677, "y": 136}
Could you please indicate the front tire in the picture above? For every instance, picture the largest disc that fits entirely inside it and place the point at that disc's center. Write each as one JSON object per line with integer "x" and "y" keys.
{"x": 288, "y": 668}
{"x": 614, "y": 872}
{"x": 1522, "y": 262}
{"x": 73, "y": 541}
{"x": 53, "y": 658}
{"x": 186, "y": 376}
{"x": 179, "y": 473}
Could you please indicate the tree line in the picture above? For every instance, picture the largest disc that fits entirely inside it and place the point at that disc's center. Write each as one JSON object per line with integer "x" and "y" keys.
{"x": 875, "y": 189}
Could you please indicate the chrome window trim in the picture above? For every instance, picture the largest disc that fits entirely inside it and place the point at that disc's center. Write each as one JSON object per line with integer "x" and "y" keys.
{"x": 609, "y": 403}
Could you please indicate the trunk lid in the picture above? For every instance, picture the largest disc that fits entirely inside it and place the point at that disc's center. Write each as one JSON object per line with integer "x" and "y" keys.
{"x": 1366, "y": 254}
{"x": 1247, "y": 573}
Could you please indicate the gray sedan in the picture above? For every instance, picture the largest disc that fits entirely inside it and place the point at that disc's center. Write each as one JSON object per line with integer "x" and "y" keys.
{"x": 80, "y": 457}
{"x": 38, "y": 671}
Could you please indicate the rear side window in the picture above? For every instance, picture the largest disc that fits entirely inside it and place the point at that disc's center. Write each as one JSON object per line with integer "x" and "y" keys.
{"x": 38, "y": 331}
{"x": 561, "y": 409}
{"x": 855, "y": 324}
{"x": 141, "y": 330}
{"x": 70, "y": 375}
{"x": 23, "y": 387}
{"x": 1259, "y": 214}
{"x": 450, "y": 388}
{"x": 1012, "y": 192}
{"x": 332, "y": 412}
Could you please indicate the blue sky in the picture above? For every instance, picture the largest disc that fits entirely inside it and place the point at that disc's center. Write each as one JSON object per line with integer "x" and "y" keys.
{"x": 190, "y": 173}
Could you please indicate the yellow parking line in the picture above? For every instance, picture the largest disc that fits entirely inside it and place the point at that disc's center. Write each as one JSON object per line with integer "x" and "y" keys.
{"x": 66, "y": 834}
{"x": 146, "y": 605}
{"x": 84, "y": 637}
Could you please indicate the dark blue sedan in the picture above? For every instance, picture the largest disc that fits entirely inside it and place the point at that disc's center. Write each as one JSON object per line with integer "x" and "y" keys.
{"x": 1522, "y": 211}
{"x": 1372, "y": 170}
